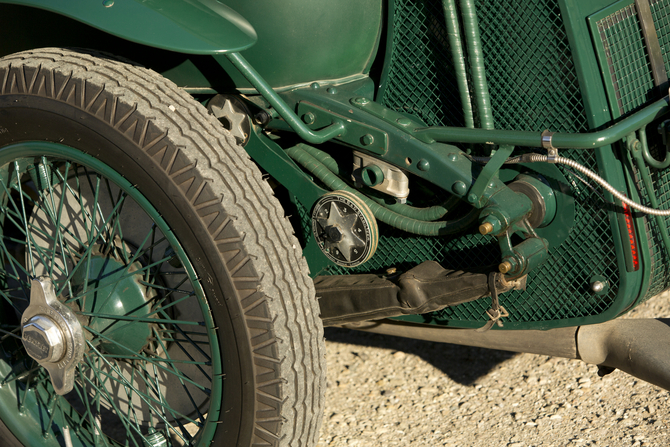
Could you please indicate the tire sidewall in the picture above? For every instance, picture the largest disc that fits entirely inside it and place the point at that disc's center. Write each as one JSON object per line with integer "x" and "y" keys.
{"x": 26, "y": 118}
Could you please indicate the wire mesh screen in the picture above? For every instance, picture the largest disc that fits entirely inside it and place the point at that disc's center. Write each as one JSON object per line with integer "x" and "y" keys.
{"x": 529, "y": 68}
{"x": 629, "y": 69}
{"x": 519, "y": 46}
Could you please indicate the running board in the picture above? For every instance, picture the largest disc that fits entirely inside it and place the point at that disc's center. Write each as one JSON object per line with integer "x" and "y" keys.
{"x": 425, "y": 288}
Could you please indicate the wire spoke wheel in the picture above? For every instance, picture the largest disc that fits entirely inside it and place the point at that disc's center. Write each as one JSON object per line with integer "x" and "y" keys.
{"x": 151, "y": 290}
{"x": 149, "y": 372}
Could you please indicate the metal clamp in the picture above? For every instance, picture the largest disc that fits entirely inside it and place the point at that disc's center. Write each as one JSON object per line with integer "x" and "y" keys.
{"x": 552, "y": 152}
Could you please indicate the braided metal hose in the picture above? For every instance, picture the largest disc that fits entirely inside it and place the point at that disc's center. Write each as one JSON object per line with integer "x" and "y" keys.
{"x": 539, "y": 158}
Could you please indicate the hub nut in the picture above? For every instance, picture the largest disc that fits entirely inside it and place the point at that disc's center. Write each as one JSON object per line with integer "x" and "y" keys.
{"x": 43, "y": 339}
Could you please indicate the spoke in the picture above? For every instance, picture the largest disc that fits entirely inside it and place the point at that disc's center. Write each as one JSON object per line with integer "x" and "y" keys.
{"x": 150, "y": 314}
{"x": 126, "y": 275}
{"x": 140, "y": 319}
{"x": 121, "y": 278}
{"x": 146, "y": 399}
{"x": 179, "y": 374}
{"x": 94, "y": 424}
{"x": 54, "y": 400}
{"x": 19, "y": 376}
{"x": 181, "y": 381}
{"x": 25, "y": 219}
{"x": 9, "y": 334}
{"x": 152, "y": 360}
{"x": 56, "y": 221}
{"x": 87, "y": 252}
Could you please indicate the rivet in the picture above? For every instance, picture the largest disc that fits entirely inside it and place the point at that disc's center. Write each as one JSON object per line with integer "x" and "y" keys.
{"x": 331, "y": 90}
{"x": 459, "y": 188}
{"x": 403, "y": 121}
{"x": 452, "y": 157}
{"x": 314, "y": 85}
{"x": 107, "y": 3}
{"x": 472, "y": 198}
{"x": 423, "y": 165}
{"x": 361, "y": 101}
{"x": 367, "y": 139}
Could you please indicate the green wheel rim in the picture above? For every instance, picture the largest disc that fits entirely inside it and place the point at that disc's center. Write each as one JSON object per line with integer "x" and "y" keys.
{"x": 41, "y": 179}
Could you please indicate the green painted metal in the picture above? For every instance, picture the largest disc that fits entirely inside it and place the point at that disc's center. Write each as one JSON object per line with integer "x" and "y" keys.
{"x": 397, "y": 120}
{"x": 194, "y": 27}
{"x": 335, "y": 129}
{"x": 359, "y": 135}
{"x": 271, "y": 157}
{"x": 301, "y": 43}
{"x": 114, "y": 291}
{"x": 382, "y": 213}
{"x": 28, "y": 403}
{"x": 428, "y": 214}
{"x": 489, "y": 172}
{"x": 560, "y": 140}
{"x": 480, "y": 86}
{"x": 458, "y": 59}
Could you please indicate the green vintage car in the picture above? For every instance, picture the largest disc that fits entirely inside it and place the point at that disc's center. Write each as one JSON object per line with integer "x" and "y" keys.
{"x": 190, "y": 190}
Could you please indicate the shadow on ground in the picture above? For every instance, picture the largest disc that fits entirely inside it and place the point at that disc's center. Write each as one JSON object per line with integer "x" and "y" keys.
{"x": 463, "y": 364}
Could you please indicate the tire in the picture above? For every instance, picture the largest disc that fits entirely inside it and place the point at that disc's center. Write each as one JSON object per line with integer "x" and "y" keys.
{"x": 158, "y": 233}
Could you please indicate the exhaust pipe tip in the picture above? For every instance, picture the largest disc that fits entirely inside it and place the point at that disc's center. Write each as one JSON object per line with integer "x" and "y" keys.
{"x": 639, "y": 347}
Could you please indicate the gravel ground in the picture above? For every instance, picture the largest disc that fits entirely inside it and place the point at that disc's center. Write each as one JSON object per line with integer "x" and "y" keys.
{"x": 392, "y": 391}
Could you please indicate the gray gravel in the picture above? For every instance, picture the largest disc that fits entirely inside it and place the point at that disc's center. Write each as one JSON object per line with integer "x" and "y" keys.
{"x": 391, "y": 391}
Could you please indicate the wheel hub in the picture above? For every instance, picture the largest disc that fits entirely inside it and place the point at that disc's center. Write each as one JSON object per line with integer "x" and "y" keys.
{"x": 115, "y": 291}
{"x": 52, "y": 335}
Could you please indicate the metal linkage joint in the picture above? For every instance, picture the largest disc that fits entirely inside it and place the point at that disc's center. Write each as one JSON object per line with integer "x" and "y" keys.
{"x": 552, "y": 152}
{"x": 496, "y": 312}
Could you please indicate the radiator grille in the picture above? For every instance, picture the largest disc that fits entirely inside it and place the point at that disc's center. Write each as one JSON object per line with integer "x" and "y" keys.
{"x": 541, "y": 93}
{"x": 622, "y": 54}
{"x": 625, "y": 57}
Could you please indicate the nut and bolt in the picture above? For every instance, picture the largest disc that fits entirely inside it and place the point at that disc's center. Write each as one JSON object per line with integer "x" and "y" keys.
{"x": 486, "y": 228}
{"x": 43, "y": 339}
{"x": 505, "y": 267}
{"x": 598, "y": 286}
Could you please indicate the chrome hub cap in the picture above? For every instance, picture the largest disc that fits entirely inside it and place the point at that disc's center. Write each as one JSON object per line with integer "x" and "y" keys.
{"x": 52, "y": 335}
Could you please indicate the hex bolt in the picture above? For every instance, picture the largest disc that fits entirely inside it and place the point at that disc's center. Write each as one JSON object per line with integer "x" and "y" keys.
{"x": 262, "y": 118}
{"x": 43, "y": 339}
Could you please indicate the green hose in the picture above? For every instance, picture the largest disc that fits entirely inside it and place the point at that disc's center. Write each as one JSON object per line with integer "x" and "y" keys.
{"x": 385, "y": 215}
{"x": 426, "y": 214}
{"x": 479, "y": 84}
{"x": 458, "y": 58}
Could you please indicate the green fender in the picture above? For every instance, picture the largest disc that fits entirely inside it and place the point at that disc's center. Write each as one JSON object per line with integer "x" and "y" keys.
{"x": 192, "y": 27}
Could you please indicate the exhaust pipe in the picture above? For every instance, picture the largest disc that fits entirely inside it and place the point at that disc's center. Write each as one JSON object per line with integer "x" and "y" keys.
{"x": 639, "y": 347}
